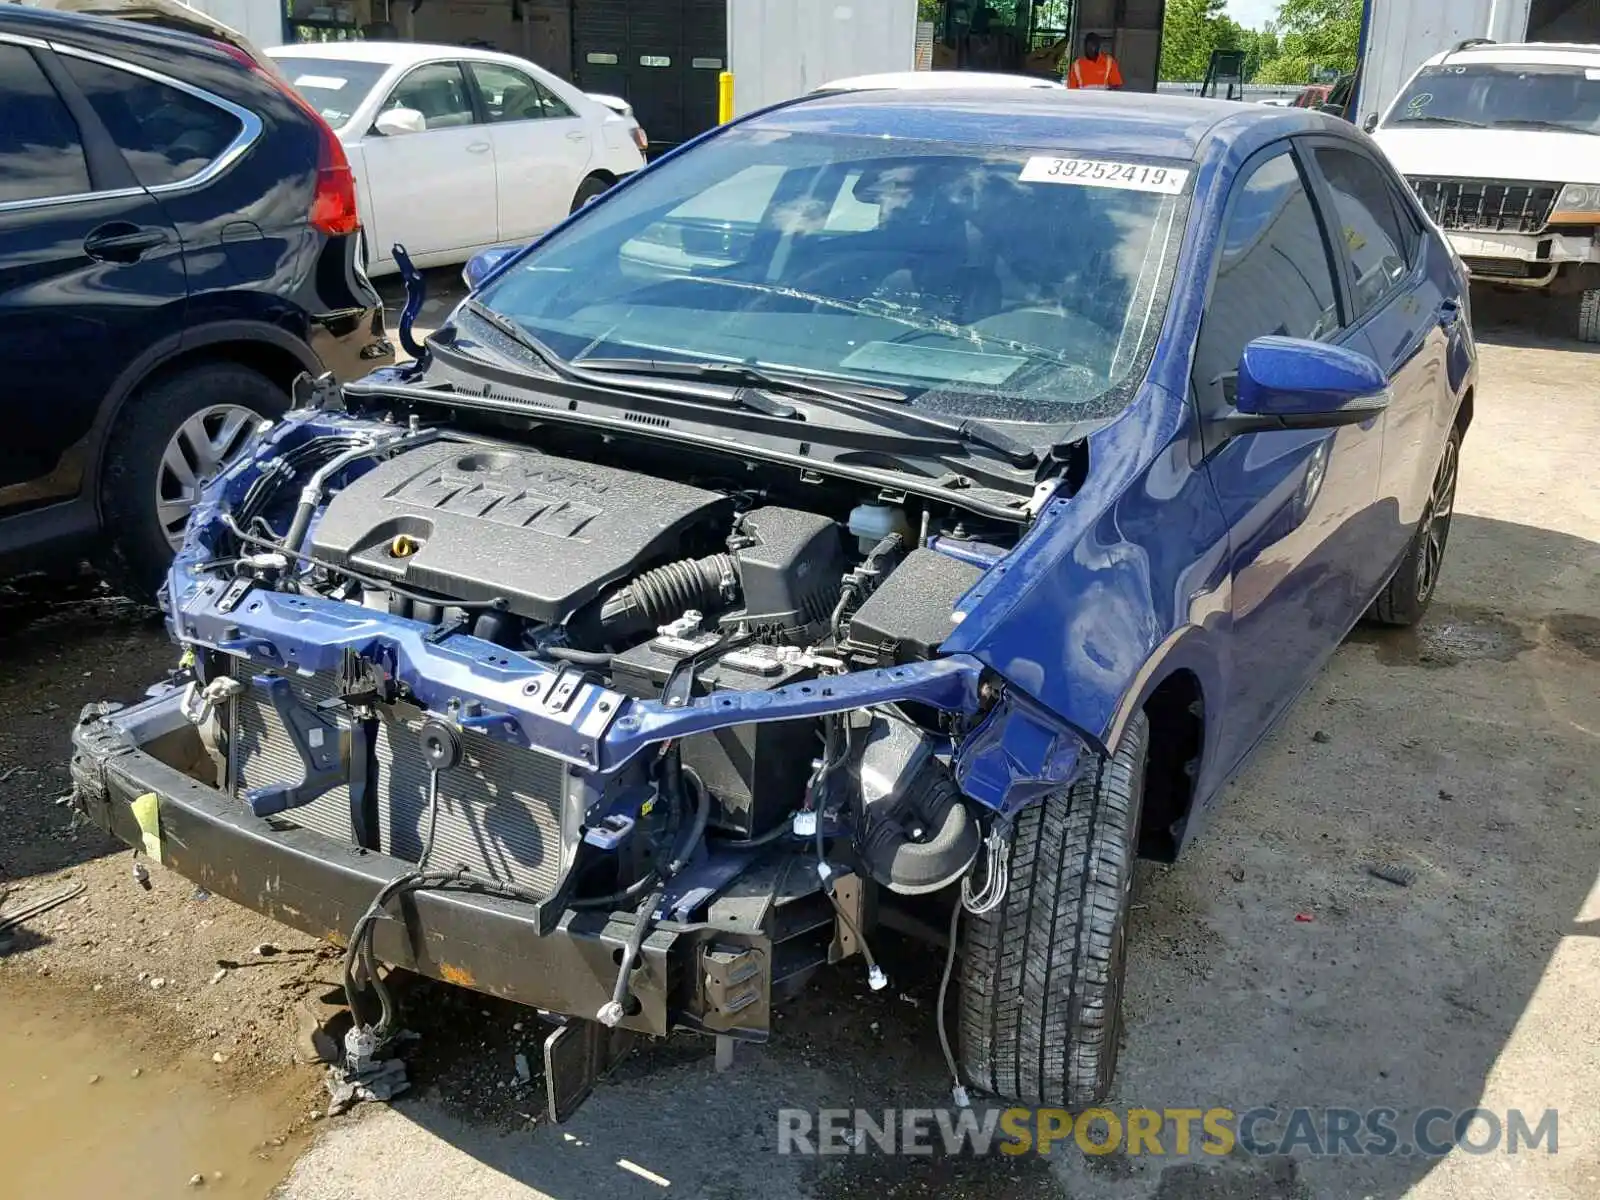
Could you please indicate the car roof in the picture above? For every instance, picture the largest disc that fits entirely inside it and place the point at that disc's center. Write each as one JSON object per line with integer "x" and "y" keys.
{"x": 48, "y": 23}
{"x": 1550, "y": 53}
{"x": 936, "y": 80}
{"x": 1100, "y": 122}
{"x": 403, "y": 54}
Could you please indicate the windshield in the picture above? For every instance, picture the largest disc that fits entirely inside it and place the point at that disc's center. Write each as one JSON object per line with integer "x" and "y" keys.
{"x": 335, "y": 88}
{"x": 981, "y": 281}
{"x": 1502, "y": 95}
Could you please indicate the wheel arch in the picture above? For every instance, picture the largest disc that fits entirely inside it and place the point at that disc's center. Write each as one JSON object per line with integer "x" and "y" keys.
{"x": 1176, "y": 711}
{"x": 1464, "y": 412}
{"x": 265, "y": 348}
{"x": 1180, "y": 690}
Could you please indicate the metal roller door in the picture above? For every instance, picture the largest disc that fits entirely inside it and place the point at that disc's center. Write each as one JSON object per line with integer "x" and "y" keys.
{"x": 662, "y": 56}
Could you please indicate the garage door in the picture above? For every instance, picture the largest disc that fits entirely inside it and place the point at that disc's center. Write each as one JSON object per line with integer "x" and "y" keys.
{"x": 662, "y": 56}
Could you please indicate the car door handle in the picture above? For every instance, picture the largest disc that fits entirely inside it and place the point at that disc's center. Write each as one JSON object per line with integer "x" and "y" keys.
{"x": 575, "y": 136}
{"x": 1449, "y": 313}
{"x": 477, "y": 147}
{"x": 121, "y": 242}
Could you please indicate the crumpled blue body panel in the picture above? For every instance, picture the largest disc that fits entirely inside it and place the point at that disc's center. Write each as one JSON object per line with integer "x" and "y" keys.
{"x": 554, "y": 707}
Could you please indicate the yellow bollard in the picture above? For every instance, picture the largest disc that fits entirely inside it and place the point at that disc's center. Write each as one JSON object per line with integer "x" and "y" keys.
{"x": 724, "y": 97}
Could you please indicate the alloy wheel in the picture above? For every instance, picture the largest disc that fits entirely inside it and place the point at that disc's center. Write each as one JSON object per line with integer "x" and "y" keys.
{"x": 1436, "y": 522}
{"x": 200, "y": 448}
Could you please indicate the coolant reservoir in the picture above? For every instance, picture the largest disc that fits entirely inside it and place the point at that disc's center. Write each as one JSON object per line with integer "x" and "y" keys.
{"x": 871, "y": 523}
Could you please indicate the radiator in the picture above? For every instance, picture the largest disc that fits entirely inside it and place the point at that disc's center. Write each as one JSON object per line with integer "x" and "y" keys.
{"x": 499, "y": 809}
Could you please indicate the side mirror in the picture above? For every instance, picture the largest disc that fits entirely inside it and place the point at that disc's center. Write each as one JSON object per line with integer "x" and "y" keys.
{"x": 1292, "y": 383}
{"x": 1370, "y": 123}
{"x": 481, "y": 264}
{"x": 394, "y": 122}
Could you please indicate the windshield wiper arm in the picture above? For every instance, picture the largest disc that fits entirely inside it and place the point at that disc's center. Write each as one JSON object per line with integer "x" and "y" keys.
{"x": 743, "y": 374}
{"x": 590, "y": 370}
{"x": 880, "y": 401}
{"x": 1534, "y": 123}
{"x": 503, "y": 324}
{"x": 1426, "y": 119}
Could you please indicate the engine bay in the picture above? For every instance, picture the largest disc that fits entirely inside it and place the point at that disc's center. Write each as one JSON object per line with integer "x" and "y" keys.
{"x": 640, "y": 685}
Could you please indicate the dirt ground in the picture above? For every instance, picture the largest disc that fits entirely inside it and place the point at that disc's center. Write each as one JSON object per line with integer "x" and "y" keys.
{"x": 1467, "y": 752}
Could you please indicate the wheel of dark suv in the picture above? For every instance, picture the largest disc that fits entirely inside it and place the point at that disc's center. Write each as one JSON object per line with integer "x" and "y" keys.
{"x": 1405, "y": 598}
{"x": 167, "y": 439}
{"x": 588, "y": 190}
{"x": 1041, "y": 977}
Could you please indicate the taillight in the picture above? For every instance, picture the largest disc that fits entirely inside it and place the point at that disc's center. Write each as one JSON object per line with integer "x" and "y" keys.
{"x": 333, "y": 204}
{"x": 640, "y": 140}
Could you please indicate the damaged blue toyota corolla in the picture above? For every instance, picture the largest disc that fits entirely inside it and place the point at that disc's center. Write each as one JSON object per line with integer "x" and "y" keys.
{"x": 888, "y": 511}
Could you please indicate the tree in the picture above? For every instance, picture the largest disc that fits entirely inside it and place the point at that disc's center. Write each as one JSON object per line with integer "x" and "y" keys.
{"x": 1313, "y": 36}
{"x": 1192, "y": 30}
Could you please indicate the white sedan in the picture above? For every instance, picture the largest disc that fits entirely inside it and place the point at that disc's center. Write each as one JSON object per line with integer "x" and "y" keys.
{"x": 456, "y": 150}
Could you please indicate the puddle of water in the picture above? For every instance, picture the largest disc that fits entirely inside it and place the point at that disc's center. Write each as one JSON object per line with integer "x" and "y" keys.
{"x": 136, "y": 1137}
{"x": 1445, "y": 640}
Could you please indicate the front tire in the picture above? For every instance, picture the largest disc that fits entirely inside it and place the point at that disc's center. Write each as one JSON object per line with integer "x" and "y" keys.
{"x": 1041, "y": 978}
{"x": 166, "y": 440}
{"x": 1589, "y": 316}
{"x": 1405, "y": 598}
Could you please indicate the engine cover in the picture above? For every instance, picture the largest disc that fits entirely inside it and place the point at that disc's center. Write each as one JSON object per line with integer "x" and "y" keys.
{"x": 548, "y": 534}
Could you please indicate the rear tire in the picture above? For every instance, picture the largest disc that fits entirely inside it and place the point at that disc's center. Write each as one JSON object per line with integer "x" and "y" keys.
{"x": 1041, "y": 978}
{"x": 1405, "y": 598}
{"x": 1589, "y": 316}
{"x": 131, "y": 483}
{"x": 587, "y": 190}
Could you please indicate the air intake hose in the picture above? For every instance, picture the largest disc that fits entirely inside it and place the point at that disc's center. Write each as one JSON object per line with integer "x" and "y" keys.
{"x": 666, "y": 593}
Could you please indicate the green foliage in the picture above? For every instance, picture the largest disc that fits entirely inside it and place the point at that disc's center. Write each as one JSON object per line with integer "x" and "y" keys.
{"x": 1308, "y": 36}
{"x": 1312, "y": 36}
{"x": 1192, "y": 30}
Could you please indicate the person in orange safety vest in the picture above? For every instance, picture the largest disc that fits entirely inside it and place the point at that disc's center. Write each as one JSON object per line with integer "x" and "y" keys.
{"x": 1094, "y": 69}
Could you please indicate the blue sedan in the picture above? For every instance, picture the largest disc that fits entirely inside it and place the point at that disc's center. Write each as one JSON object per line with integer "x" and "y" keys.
{"x": 889, "y": 501}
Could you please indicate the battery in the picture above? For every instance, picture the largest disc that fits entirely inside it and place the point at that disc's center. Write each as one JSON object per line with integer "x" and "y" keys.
{"x": 756, "y": 772}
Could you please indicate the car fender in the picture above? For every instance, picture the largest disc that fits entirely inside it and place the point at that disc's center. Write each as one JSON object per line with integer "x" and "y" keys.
{"x": 160, "y": 353}
{"x": 1130, "y": 575}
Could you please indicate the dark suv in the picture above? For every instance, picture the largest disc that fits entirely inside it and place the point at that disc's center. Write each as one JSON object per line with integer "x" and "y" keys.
{"x": 178, "y": 242}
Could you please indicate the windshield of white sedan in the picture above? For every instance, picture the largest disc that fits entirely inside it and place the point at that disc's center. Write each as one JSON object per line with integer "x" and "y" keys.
{"x": 334, "y": 87}
{"x": 1504, "y": 96}
{"x": 983, "y": 281}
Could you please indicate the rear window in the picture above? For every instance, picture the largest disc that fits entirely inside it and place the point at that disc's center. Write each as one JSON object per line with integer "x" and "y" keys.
{"x": 165, "y": 134}
{"x": 334, "y": 87}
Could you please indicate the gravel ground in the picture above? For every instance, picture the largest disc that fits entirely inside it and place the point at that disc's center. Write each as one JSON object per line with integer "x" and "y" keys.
{"x": 1468, "y": 752}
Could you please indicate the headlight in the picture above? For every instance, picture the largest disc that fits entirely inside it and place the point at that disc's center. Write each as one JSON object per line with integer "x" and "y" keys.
{"x": 1578, "y": 204}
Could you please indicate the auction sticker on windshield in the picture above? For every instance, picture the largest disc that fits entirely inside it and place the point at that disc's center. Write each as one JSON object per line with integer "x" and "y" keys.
{"x": 1099, "y": 172}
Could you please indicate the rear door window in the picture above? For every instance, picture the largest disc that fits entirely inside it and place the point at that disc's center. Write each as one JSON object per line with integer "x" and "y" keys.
{"x": 165, "y": 134}
{"x": 41, "y": 152}
{"x": 508, "y": 94}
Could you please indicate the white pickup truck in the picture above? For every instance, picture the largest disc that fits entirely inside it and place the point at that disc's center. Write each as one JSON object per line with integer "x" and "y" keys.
{"x": 1502, "y": 144}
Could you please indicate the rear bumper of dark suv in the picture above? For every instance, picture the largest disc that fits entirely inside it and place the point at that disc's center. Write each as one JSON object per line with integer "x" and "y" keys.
{"x": 686, "y": 977}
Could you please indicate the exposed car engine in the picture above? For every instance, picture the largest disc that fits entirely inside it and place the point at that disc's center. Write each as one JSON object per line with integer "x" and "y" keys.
{"x": 671, "y": 585}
